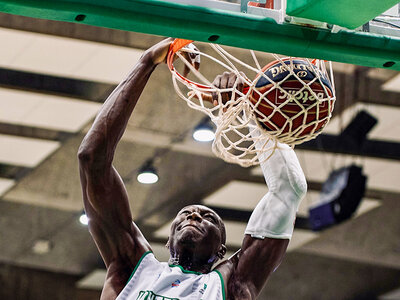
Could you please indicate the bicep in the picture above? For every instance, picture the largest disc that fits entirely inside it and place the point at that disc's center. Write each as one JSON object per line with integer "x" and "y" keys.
{"x": 257, "y": 260}
{"x": 110, "y": 221}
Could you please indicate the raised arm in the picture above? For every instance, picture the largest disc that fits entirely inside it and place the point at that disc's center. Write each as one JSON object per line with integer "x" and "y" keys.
{"x": 118, "y": 239}
{"x": 271, "y": 224}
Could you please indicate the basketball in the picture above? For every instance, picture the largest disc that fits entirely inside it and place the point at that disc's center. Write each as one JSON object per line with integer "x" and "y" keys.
{"x": 290, "y": 97}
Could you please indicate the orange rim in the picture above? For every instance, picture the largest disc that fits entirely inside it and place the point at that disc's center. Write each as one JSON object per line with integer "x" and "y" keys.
{"x": 178, "y": 44}
{"x": 175, "y": 46}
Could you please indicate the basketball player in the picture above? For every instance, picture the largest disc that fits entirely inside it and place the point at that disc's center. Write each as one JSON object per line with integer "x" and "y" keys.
{"x": 197, "y": 236}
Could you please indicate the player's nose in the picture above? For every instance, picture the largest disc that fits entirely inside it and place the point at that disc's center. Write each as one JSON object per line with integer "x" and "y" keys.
{"x": 194, "y": 215}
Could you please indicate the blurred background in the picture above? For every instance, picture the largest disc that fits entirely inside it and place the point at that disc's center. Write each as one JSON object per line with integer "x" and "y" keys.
{"x": 54, "y": 77}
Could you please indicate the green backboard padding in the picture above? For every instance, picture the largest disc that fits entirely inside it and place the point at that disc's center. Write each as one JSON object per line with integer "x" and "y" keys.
{"x": 227, "y": 28}
{"x": 347, "y": 13}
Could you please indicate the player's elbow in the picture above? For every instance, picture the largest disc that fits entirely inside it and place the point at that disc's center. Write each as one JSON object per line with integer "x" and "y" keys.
{"x": 85, "y": 155}
{"x": 93, "y": 158}
{"x": 88, "y": 156}
{"x": 298, "y": 183}
{"x": 301, "y": 187}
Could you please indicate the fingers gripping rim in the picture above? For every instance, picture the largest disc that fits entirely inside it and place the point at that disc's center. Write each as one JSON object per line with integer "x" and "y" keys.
{"x": 175, "y": 46}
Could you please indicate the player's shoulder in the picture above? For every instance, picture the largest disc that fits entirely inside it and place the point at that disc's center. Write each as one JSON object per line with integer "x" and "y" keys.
{"x": 226, "y": 267}
{"x": 235, "y": 286}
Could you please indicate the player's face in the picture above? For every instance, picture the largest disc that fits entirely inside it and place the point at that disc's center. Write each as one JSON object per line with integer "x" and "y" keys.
{"x": 199, "y": 227}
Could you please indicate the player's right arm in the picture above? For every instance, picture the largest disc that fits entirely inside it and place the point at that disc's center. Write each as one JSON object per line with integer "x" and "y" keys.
{"x": 271, "y": 224}
{"x": 118, "y": 239}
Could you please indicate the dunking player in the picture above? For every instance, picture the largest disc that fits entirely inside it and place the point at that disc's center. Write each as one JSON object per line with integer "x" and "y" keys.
{"x": 197, "y": 236}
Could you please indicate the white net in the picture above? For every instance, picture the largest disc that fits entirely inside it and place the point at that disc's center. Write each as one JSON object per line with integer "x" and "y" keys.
{"x": 290, "y": 100}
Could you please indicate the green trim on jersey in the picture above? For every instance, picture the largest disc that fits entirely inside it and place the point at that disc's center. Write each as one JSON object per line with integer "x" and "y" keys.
{"x": 186, "y": 271}
{"x": 198, "y": 273}
{"x": 222, "y": 283}
{"x": 183, "y": 270}
{"x": 137, "y": 265}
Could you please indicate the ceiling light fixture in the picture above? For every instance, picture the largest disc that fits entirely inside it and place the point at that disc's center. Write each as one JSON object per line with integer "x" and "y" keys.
{"x": 147, "y": 173}
{"x": 41, "y": 246}
{"x": 83, "y": 219}
{"x": 204, "y": 132}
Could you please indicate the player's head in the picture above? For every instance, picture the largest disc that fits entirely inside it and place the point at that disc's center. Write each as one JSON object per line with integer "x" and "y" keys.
{"x": 198, "y": 229}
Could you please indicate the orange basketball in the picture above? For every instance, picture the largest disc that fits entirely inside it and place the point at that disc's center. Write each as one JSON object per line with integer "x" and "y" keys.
{"x": 285, "y": 102}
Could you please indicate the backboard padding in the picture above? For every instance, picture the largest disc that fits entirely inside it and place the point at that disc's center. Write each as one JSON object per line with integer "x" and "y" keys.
{"x": 207, "y": 24}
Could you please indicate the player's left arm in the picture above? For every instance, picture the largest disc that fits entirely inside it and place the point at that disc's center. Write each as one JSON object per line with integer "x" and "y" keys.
{"x": 271, "y": 224}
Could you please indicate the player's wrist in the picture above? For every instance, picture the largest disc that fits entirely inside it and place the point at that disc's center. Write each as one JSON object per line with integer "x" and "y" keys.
{"x": 148, "y": 59}
{"x": 157, "y": 54}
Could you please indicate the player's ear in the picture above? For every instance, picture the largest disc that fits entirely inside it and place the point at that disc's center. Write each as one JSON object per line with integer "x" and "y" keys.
{"x": 221, "y": 251}
{"x": 167, "y": 244}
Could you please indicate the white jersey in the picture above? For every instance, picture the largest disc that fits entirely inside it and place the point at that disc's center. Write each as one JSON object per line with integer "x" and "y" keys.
{"x": 154, "y": 280}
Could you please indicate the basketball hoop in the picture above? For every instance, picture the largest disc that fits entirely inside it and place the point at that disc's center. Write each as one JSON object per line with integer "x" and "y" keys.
{"x": 290, "y": 101}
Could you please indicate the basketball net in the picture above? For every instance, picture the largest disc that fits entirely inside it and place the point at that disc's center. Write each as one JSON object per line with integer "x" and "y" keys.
{"x": 240, "y": 136}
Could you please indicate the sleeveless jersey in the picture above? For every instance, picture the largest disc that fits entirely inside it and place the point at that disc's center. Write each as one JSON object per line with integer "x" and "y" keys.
{"x": 154, "y": 280}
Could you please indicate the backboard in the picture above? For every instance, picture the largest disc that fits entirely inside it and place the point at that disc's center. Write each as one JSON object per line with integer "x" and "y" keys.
{"x": 313, "y": 29}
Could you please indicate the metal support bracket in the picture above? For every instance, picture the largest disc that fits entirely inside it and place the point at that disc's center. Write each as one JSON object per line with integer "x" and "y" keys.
{"x": 244, "y": 3}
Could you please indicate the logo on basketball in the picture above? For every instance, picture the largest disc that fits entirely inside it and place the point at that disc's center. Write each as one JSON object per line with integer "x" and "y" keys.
{"x": 280, "y": 70}
{"x": 290, "y": 95}
{"x": 305, "y": 97}
{"x": 302, "y": 74}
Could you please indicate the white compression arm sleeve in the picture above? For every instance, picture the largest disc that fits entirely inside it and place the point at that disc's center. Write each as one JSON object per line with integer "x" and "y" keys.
{"x": 275, "y": 214}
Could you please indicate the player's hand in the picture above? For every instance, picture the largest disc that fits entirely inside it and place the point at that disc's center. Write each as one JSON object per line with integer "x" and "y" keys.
{"x": 159, "y": 52}
{"x": 227, "y": 80}
{"x": 192, "y": 58}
